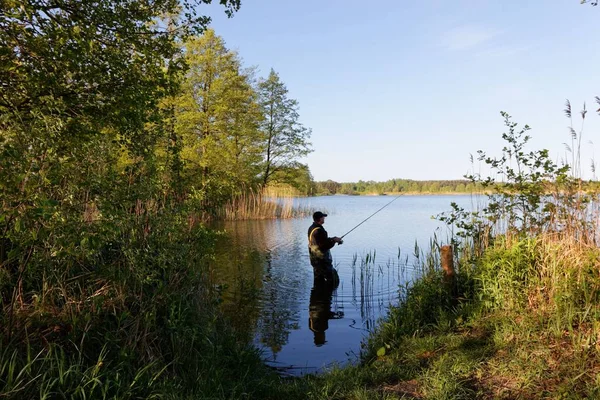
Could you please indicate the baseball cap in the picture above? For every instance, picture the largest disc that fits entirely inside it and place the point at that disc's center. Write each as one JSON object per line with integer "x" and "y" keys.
{"x": 318, "y": 215}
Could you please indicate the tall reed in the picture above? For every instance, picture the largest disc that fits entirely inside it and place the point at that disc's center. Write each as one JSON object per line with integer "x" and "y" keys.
{"x": 261, "y": 204}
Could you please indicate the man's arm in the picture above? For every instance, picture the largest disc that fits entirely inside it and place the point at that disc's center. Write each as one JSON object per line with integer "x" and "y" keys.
{"x": 323, "y": 241}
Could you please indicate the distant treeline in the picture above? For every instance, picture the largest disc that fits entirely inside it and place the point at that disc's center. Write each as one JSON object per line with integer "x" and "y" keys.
{"x": 409, "y": 186}
{"x": 330, "y": 187}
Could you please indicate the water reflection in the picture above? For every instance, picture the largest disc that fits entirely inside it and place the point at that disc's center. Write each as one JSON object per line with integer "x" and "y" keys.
{"x": 261, "y": 289}
{"x": 301, "y": 326}
{"x": 319, "y": 309}
{"x": 277, "y": 317}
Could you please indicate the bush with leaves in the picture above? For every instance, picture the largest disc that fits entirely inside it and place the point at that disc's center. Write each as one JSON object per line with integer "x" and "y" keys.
{"x": 526, "y": 193}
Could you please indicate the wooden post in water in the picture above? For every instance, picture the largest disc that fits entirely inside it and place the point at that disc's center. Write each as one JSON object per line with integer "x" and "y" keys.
{"x": 448, "y": 265}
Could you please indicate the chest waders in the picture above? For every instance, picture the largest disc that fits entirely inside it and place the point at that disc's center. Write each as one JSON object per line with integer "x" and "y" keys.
{"x": 318, "y": 256}
{"x": 322, "y": 262}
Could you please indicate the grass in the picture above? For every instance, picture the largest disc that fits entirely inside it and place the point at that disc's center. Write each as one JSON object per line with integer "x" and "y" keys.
{"x": 522, "y": 322}
{"x": 129, "y": 312}
{"x": 525, "y": 324}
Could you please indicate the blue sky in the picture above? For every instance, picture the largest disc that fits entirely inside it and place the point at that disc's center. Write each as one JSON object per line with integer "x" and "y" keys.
{"x": 409, "y": 89}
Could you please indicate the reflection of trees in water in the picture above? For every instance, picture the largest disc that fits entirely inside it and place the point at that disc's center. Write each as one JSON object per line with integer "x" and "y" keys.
{"x": 274, "y": 327}
{"x": 241, "y": 289}
{"x": 237, "y": 269}
{"x": 279, "y": 315}
{"x": 260, "y": 291}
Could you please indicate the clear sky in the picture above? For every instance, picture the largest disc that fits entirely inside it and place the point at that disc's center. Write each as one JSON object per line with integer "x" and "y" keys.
{"x": 409, "y": 89}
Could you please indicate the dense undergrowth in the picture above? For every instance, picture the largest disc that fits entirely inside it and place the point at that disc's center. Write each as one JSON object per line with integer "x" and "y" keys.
{"x": 131, "y": 315}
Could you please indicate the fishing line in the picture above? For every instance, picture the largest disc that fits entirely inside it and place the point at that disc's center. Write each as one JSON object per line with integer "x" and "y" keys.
{"x": 366, "y": 219}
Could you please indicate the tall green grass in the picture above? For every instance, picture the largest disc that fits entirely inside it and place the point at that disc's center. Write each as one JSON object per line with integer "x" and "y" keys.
{"x": 129, "y": 311}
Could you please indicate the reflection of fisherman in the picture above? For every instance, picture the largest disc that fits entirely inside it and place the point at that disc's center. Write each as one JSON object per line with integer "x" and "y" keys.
{"x": 319, "y": 310}
{"x": 319, "y": 244}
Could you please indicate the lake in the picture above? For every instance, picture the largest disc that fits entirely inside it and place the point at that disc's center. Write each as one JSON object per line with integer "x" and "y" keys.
{"x": 267, "y": 282}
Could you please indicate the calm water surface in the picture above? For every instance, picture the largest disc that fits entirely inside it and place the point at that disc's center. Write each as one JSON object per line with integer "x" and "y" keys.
{"x": 267, "y": 279}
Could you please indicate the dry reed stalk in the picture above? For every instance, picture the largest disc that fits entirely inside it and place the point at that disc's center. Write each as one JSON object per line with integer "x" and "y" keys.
{"x": 563, "y": 266}
{"x": 260, "y": 205}
{"x": 91, "y": 213}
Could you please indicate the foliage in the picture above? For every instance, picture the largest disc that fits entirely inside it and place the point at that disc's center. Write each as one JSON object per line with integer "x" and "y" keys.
{"x": 129, "y": 308}
{"x": 82, "y": 66}
{"x": 110, "y": 148}
{"x": 104, "y": 284}
{"x": 523, "y": 323}
{"x": 534, "y": 195}
{"x": 286, "y": 138}
{"x": 218, "y": 118}
{"x": 299, "y": 178}
{"x": 233, "y": 134}
{"x": 423, "y": 305}
{"x": 520, "y": 309}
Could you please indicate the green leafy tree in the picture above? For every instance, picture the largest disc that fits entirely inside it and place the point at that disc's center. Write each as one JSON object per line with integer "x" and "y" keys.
{"x": 91, "y": 63}
{"x": 298, "y": 177}
{"x": 218, "y": 119}
{"x": 286, "y": 138}
{"x": 328, "y": 187}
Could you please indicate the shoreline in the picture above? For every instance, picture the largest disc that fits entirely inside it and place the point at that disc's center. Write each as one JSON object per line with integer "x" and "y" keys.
{"x": 402, "y": 194}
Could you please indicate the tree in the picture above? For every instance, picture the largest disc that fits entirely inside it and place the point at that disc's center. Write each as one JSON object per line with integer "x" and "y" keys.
{"x": 93, "y": 63}
{"x": 218, "y": 118}
{"x": 301, "y": 179}
{"x": 286, "y": 138}
{"x": 77, "y": 76}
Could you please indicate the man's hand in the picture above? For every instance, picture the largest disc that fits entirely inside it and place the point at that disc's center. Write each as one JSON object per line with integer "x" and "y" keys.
{"x": 337, "y": 240}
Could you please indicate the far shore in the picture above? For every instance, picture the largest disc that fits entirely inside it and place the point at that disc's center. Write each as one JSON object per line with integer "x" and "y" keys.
{"x": 405, "y": 194}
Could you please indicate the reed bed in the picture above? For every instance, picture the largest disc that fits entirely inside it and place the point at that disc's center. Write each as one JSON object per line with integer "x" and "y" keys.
{"x": 266, "y": 204}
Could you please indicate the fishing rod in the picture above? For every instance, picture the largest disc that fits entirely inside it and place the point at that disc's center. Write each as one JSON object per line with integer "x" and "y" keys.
{"x": 366, "y": 219}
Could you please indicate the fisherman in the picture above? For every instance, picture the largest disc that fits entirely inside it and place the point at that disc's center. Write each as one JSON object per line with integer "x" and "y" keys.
{"x": 319, "y": 244}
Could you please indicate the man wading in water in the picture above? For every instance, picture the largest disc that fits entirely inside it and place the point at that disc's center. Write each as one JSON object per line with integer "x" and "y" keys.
{"x": 319, "y": 245}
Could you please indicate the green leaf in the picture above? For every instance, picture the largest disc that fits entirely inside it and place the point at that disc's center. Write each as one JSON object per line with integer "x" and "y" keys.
{"x": 381, "y": 352}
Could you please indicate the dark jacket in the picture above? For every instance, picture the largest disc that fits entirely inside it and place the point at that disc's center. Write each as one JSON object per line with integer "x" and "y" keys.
{"x": 319, "y": 244}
